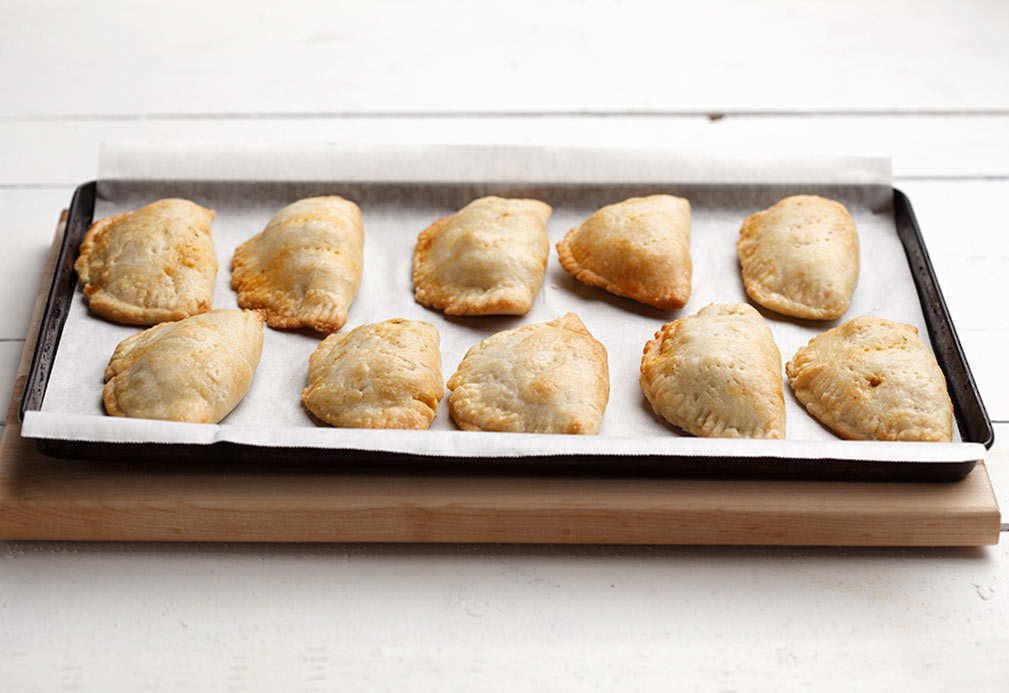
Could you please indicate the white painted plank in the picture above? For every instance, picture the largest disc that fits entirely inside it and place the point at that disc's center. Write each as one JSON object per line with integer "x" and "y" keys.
{"x": 48, "y": 152}
{"x": 965, "y": 229}
{"x": 986, "y": 354}
{"x": 190, "y": 56}
{"x": 372, "y": 618}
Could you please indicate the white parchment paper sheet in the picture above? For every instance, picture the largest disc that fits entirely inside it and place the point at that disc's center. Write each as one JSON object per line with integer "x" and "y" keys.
{"x": 401, "y": 191}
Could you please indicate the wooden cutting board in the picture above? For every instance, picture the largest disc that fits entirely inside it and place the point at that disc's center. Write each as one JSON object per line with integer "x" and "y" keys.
{"x": 45, "y": 498}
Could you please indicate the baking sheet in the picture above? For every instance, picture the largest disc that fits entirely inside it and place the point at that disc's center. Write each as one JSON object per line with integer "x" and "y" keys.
{"x": 403, "y": 191}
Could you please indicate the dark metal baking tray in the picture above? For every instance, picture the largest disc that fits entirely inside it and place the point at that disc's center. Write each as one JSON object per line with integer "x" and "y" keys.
{"x": 971, "y": 417}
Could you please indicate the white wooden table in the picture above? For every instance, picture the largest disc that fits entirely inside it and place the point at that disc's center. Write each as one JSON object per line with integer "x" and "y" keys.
{"x": 923, "y": 83}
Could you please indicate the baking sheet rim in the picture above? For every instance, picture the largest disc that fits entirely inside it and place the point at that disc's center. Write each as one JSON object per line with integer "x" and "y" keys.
{"x": 959, "y": 452}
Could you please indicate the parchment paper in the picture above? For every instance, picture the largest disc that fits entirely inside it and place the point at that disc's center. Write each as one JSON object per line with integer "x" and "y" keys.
{"x": 401, "y": 191}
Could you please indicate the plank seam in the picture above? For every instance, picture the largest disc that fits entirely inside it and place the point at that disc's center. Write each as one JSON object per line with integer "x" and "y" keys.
{"x": 37, "y": 186}
{"x": 711, "y": 114}
{"x": 951, "y": 178}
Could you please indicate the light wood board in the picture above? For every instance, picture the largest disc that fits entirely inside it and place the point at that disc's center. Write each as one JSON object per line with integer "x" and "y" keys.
{"x": 44, "y": 498}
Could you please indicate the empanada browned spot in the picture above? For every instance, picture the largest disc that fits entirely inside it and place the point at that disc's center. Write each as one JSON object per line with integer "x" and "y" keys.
{"x": 716, "y": 374}
{"x": 638, "y": 248}
{"x": 549, "y": 377}
{"x": 304, "y": 269}
{"x": 487, "y": 259}
{"x": 194, "y": 370}
{"x": 800, "y": 257}
{"x": 383, "y": 375}
{"x": 151, "y": 265}
{"x": 873, "y": 379}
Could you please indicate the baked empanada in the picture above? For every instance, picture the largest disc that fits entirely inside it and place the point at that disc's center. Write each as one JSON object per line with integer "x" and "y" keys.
{"x": 550, "y": 377}
{"x": 638, "y": 248}
{"x": 800, "y": 257}
{"x": 305, "y": 267}
{"x": 151, "y": 265}
{"x": 873, "y": 379}
{"x": 383, "y": 375}
{"x": 487, "y": 259}
{"x": 716, "y": 374}
{"x": 195, "y": 370}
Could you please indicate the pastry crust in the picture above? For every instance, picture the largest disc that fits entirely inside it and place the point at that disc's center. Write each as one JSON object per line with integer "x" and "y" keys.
{"x": 194, "y": 370}
{"x": 716, "y": 374}
{"x": 638, "y": 248}
{"x": 873, "y": 379}
{"x": 549, "y": 377}
{"x": 305, "y": 267}
{"x": 151, "y": 265}
{"x": 487, "y": 259}
{"x": 383, "y": 375}
{"x": 800, "y": 257}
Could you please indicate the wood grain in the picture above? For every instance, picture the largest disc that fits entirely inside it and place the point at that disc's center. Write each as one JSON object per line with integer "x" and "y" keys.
{"x": 44, "y": 498}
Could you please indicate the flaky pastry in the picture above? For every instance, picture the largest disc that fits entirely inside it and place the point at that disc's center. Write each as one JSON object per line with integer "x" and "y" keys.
{"x": 487, "y": 259}
{"x": 195, "y": 370}
{"x": 304, "y": 269}
{"x": 549, "y": 377}
{"x": 638, "y": 248}
{"x": 800, "y": 257}
{"x": 716, "y": 374}
{"x": 383, "y": 375}
{"x": 150, "y": 265}
{"x": 873, "y": 379}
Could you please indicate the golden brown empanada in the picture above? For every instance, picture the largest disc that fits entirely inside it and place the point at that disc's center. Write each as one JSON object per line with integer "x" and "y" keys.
{"x": 151, "y": 265}
{"x": 800, "y": 257}
{"x": 638, "y": 248}
{"x": 305, "y": 267}
{"x": 383, "y": 375}
{"x": 487, "y": 259}
{"x": 873, "y": 379}
{"x": 549, "y": 377}
{"x": 716, "y": 374}
{"x": 195, "y": 370}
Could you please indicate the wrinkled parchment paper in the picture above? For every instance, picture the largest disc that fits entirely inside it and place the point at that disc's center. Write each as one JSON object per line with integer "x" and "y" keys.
{"x": 401, "y": 190}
